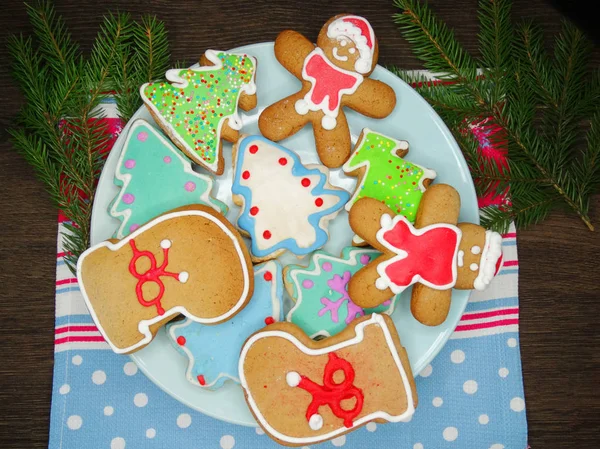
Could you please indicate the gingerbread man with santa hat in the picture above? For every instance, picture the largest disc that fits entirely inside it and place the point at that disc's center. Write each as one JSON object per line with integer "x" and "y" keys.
{"x": 334, "y": 73}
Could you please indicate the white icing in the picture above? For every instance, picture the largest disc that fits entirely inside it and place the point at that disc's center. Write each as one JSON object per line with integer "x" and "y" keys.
{"x": 375, "y": 319}
{"x": 292, "y": 378}
{"x": 315, "y": 422}
{"x": 353, "y": 259}
{"x": 476, "y": 249}
{"x": 384, "y": 281}
{"x": 235, "y": 121}
{"x": 492, "y": 251}
{"x": 144, "y": 325}
{"x": 306, "y": 104}
{"x": 461, "y": 260}
{"x": 340, "y": 28}
{"x": 398, "y": 145}
{"x": 358, "y": 240}
{"x": 165, "y": 244}
{"x": 284, "y": 215}
{"x": 352, "y": 50}
{"x": 183, "y": 277}
{"x": 474, "y": 267}
{"x": 343, "y": 42}
{"x": 337, "y": 56}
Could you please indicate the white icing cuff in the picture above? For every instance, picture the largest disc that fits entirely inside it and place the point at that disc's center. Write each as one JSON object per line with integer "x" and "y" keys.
{"x": 301, "y": 106}
{"x": 293, "y": 379}
{"x": 328, "y": 122}
{"x": 315, "y": 422}
{"x": 492, "y": 252}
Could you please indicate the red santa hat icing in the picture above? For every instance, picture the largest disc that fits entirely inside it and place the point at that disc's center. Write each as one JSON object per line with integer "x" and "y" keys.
{"x": 359, "y": 31}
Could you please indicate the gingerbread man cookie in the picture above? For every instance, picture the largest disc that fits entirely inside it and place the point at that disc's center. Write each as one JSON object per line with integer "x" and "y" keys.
{"x": 334, "y": 74}
{"x": 436, "y": 254}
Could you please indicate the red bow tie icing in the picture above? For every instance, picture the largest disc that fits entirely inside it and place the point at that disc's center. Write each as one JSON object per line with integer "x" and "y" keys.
{"x": 330, "y": 393}
{"x": 427, "y": 255}
{"x": 153, "y": 274}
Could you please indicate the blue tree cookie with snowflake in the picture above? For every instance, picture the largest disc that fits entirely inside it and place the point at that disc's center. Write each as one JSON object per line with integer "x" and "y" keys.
{"x": 213, "y": 351}
{"x": 285, "y": 206}
{"x": 155, "y": 178}
{"x": 320, "y": 290}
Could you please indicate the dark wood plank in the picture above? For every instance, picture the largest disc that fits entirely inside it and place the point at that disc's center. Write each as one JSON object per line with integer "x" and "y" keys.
{"x": 558, "y": 260}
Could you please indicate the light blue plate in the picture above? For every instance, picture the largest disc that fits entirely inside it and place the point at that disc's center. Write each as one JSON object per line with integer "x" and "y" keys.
{"x": 431, "y": 145}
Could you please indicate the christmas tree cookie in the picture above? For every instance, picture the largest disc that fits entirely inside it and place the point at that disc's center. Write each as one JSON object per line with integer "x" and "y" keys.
{"x": 285, "y": 205}
{"x": 197, "y": 107}
{"x": 213, "y": 351}
{"x": 385, "y": 176}
{"x": 154, "y": 178}
{"x": 323, "y": 307}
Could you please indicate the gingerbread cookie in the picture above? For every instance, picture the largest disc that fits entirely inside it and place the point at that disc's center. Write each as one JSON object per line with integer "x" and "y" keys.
{"x": 213, "y": 351}
{"x": 154, "y": 178}
{"x": 303, "y": 392}
{"x": 435, "y": 254}
{"x": 286, "y": 206}
{"x": 197, "y": 107}
{"x": 320, "y": 290}
{"x": 334, "y": 74}
{"x": 189, "y": 261}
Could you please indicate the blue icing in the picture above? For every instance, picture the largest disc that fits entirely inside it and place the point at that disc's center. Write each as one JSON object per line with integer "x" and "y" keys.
{"x": 154, "y": 178}
{"x": 335, "y": 199}
{"x": 213, "y": 351}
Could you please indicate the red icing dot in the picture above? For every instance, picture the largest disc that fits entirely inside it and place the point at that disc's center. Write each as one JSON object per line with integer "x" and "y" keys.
{"x": 282, "y": 161}
{"x": 181, "y": 340}
{"x": 246, "y": 174}
{"x": 305, "y": 182}
{"x": 269, "y": 320}
{"x": 268, "y": 276}
{"x": 253, "y": 210}
{"x": 253, "y": 149}
{"x": 319, "y": 202}
{"x": 267, "y": 235}
{"x": 201, "y": 380}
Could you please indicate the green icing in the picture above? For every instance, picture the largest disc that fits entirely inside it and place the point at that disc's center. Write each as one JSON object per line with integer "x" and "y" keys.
{"x": 196, "y": 111}
{"x": 389, "y": 178}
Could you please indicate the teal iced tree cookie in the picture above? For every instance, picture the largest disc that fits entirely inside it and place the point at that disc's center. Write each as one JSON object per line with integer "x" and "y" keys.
{"x": 155, "y": 178}
{"x": 323, "y": 307}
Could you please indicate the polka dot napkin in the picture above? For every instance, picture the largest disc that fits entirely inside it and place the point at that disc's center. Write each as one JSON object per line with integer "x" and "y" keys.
{"x": 470, "y": 396}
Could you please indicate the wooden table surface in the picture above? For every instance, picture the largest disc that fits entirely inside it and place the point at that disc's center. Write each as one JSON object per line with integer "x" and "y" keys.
{"x": 558, "y": 259}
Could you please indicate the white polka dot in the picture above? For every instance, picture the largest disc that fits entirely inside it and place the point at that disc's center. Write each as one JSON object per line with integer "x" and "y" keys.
{"x": 437, "y": 402}
{"x": 259, "y": 431}
{"x": 130, "y": 368}
{"x": 227, "y": 442}
{"x": 511, "y": 342}
{"x": 108, "y": 410}
{"x": 184, "y": 421}
{"x": 140, "y": 400}
{"x": 470, "y": 387}
{"x": 517, "y": 404}
{"x": 371, "y": 427}
{"x": 64, "y": 389}
{"x": 426, "y": 371}
{"x": 76, "y": 360}
{"x": 74, "y": 422}
{"x": 450, "y": 433}
{"x": 339, "y": 441}
{"x": 117, "y": 443}
{"x": 150, "y": 433}
{"x": 457, "y": 356}
{"x": 99, "y": 377}
{"x": 484, "y": 419}
{"x": 497, "y": 446}
{"x": 503, "y": 372}
{"x": 418, "y": 446}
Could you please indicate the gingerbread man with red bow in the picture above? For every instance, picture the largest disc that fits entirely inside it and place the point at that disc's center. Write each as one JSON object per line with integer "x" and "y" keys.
{"x": 334, "y": 74}
{"x": 435, "y": 255}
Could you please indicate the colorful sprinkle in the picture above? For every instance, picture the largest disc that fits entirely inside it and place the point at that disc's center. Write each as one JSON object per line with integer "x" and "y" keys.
{"x": 128, "y": 198}
{"x": 130, "y": 163}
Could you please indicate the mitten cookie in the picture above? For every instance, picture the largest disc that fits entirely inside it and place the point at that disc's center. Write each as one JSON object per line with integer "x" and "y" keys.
{"x": 286, "y": 206}
{"x": 303, "y": 392}
{"x": 435, "y": 254}
{"x": 214, "y": 351}
{"x": 154, "y": 178}
{"x": 189, "y": 261}
{"x": 197, "y": 107}
{"x": 334, "y": 74}
{"x": 320, "y": 290}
